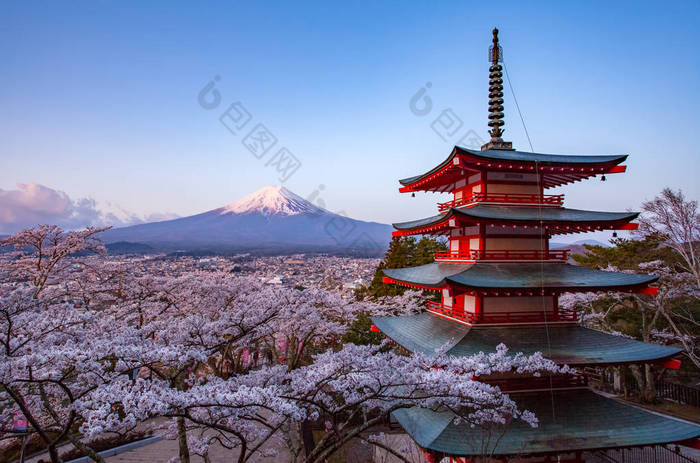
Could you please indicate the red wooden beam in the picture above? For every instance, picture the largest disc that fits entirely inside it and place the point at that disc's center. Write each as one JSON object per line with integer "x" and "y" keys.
{"x": 391, "y": 281}
{"x": 628, "y": 226}
{"x": 650, "y": 290}
{"x": 692, "y": 443}
{"x": 672, "y": 364}
{"x": 375, "y": 329}
{"x": 616, "y": 170}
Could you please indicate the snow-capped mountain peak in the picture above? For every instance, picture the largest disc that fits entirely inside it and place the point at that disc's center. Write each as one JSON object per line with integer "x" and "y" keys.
{"x": 271, "y": 200}
{"x": 271, "y": 220}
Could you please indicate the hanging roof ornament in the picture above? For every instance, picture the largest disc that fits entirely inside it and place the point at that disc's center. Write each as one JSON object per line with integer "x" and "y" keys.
{"x": 496, "y": 98}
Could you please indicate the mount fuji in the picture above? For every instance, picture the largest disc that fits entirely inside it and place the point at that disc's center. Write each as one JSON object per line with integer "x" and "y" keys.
{"x": 273, "y": 219}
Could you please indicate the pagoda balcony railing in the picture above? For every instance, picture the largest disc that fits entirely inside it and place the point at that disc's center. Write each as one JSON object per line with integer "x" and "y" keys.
{"x": 539, "y": 383}
{"x": 501, "y": 318}
{"x": 506, "y": 198}
{"x": 501, "y": 255}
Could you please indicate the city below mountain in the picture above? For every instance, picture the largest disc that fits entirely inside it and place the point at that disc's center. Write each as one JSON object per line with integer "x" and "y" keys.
{"x": 271, "y": 220}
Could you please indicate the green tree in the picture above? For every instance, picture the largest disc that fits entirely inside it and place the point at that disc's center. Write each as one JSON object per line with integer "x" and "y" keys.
{"x": 626, "y": 254}
{"x": 360, "y": 332}
{"x": 404, "y": 251}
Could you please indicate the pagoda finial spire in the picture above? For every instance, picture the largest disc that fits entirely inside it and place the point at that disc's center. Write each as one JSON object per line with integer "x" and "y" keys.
{"x": 495, "y": 49}
{"x": 496, "y": 97}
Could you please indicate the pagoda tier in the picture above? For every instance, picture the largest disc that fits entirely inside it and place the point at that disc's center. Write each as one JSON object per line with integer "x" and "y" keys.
{"x": 570, "y": 421}
{"x": 517, "y": 278}
{"x": 523, "y": 220}
{"x": 554, "y": 170}
{"x": 570, "y": 344}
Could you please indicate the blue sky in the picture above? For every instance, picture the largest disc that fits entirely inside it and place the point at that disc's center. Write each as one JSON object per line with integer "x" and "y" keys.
{"x": 100, "y": 98}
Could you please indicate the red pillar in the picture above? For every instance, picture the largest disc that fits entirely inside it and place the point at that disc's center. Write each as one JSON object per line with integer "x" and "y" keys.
{"x": 478, "y": 305}
{"x": 482, "y": 237}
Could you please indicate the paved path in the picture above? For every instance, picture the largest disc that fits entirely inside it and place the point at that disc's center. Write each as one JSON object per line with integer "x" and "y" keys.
{"x": 163, "y": 450}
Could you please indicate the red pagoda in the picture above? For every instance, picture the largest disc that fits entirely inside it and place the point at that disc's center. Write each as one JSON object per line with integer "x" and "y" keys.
{"x": 500, "y": 283}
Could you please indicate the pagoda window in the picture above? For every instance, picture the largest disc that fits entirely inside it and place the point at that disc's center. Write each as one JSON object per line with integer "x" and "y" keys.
{"x": 464, "y": 244}
{"x": 466, "y": 232}
{"x": 468, "y": 303}
{"x": 446, "y": 298}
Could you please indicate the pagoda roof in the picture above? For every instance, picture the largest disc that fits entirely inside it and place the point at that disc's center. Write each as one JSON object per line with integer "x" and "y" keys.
{"x": 564, "y": 344}
{"x": 517, "y": 215}
{"x": 546, "y": 275}
{"x": 569, "y": 421}
{"x": 575, "y": 167}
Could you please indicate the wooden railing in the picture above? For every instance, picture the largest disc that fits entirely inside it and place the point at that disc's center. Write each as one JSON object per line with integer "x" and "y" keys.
{"x": 541, "y": 382}
{"x": 502, "y": 255}
{"x": 507, "y": 198}
{"x": 646, "y": 454}
{"x": 678, "y": 393}
{"x": 535, "y": 316}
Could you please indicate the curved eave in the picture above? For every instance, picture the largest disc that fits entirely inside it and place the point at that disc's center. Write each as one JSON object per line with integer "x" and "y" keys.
{"x": 429, "y": 276}
{"x": 591, "y": 422}
{"x": 572, "y": 345}
{"x": 559, "y": 160}
{"x": 557, "y": 169}
{"x": 555, "y": 217}
{"x": 519, "y": 277}
{"x": 447, "y": 162}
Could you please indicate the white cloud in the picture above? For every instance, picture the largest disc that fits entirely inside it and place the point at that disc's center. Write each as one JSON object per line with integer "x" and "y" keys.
{"x": 31, "y": 204}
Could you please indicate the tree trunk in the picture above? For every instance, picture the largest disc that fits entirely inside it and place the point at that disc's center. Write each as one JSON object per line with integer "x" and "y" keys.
{"x": 94, "y": 456}
{"x": 645, "y": 383}
{"x": 307, "y": 437}
{"x": 650, "y": 386}
{"x": 182, "y": 440}
{"x": 53, "y": 454}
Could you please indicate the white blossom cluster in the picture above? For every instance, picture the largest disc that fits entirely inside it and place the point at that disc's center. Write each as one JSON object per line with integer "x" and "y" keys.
{"x": 89, "y": 347}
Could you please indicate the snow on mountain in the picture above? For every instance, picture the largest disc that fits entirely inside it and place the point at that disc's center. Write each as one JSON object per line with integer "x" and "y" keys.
{"x": 271, "y": 200}
{"x": 273, "y": 219}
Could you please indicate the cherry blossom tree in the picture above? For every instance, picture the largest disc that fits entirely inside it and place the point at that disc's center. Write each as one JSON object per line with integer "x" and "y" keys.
{"x": 670, "y": 304}
{"x": 41, "y": 253}
{"x": 671, "y": 215}
{"x": 49, "y": 358}
{"x": 91, "y": 346}
{"x": 351, "y": 390}
{"x": 676, "y": 219}
{"x": 663, "y": 318}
